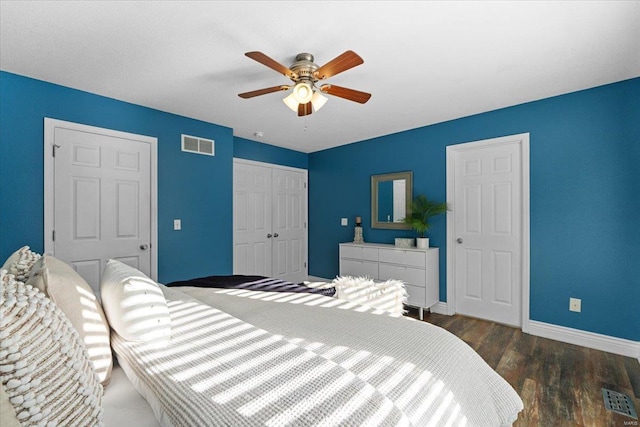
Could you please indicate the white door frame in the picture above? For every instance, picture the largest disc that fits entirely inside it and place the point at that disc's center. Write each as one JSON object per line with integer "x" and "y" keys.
{"x": 523, "y": 140}
{"x": 306, "y": 211}
{"x": 49, "y": 129}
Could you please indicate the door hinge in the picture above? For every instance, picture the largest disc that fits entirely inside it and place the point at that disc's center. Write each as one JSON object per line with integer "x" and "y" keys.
{"x": 53, "y": 235}
{"x": 305, "y": 225}
{"x": 305, "y": 265}
{"x": 305, "y": 185}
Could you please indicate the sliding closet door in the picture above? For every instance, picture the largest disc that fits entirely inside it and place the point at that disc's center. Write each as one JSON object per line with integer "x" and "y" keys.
{"x": 270, "y": 221}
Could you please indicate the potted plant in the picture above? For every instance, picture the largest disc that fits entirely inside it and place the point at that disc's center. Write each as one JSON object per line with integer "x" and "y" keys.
{"x": 421, "y": 210}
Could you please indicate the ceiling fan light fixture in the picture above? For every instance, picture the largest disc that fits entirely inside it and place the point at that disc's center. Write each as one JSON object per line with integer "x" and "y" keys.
{"x": 305, "y": 96}
{"x": 318, "y": 100}
{"x": 303, "y": 92}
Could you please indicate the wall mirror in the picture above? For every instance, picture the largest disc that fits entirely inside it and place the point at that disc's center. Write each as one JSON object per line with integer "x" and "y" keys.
{"x": 391, "y": 195}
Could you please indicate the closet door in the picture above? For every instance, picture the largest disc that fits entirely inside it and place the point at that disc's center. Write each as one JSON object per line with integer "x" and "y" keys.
{"x": 270, "y": 221}
{"x": 289, "y": 225}
{"x": 252, "y": 220}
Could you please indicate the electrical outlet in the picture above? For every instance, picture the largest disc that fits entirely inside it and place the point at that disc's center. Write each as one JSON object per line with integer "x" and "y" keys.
{"x": 177, "y": 224}
{"x": 575, "y": 304}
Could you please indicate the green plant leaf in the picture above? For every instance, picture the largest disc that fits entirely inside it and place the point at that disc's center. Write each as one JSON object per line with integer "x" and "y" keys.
{"x": 421, "y": 210}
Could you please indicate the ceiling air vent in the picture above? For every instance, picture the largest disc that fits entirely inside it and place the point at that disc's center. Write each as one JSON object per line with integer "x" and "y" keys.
{"x": 193, "y": 144}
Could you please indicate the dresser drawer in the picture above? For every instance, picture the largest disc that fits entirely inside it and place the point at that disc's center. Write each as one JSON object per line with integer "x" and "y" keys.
{"x": 351, "y": 267}
{"x": 399, "y": 256}
{"x": 416, "y": 295}
{"x": 409, "y": 275}
{"x": 359, "y": 252}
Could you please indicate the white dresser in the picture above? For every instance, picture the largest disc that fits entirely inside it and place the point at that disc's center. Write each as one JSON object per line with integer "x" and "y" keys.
{"x": 417, "y": 268}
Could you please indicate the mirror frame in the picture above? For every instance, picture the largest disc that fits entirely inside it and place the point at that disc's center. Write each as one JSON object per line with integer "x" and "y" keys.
{"x": 375, "y": 179}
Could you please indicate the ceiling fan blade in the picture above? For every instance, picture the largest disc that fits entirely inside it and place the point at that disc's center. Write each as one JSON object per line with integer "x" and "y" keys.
{"x": 271, "y": 63}
{"x": 346, "y": 93}
{"x": 304, "y": 109}
{"x": 264, "y": 91}
{"x": 347, "y": 60}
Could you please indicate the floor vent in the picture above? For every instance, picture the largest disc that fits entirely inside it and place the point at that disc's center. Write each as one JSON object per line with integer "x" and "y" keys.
{"x": 193, "y": 144}
{"x": 619, "y": 403}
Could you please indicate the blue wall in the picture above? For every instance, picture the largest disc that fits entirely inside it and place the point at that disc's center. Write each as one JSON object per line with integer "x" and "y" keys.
{"x": 194, "y": 188}
{"x": 585, "y": 199}
{"x": 585, "y": 191}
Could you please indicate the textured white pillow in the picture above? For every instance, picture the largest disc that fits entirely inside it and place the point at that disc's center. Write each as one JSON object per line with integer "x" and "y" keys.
{"x": 73, "y": 295}
{"x": 44, "y": 367}
{"x": 134, "y": 304}
{"x": 390, "y": 295}
{"x": 21, "y": 262}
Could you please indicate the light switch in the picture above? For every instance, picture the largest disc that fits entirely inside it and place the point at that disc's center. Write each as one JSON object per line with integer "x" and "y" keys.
{"x": 177, "y": 224}
{"x": 344, "y": 222}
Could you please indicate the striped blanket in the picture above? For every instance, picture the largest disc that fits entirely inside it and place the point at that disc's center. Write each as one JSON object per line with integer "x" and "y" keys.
{"x": 248, "y": 358}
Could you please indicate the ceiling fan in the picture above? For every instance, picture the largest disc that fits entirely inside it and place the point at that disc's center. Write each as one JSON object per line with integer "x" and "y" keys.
{"x": 304, "y": 73}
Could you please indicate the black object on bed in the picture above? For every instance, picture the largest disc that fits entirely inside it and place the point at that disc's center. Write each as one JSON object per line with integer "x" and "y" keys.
{"x": 253, "y": 283}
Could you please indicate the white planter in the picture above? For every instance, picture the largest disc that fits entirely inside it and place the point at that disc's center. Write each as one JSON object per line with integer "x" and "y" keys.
{"x": 422, "y": 242}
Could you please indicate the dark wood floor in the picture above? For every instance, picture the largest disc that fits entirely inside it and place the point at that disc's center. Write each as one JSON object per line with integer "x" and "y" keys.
{"x": 560, "y": 384}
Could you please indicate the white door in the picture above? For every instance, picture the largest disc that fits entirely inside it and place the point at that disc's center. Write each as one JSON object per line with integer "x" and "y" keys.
{"x": 252, "y": 220}
{"x": 102, "y": 204}
{"x": 270, "y": 217}
{"x": 289, "y": 225}
{"x": 488, "y": 223}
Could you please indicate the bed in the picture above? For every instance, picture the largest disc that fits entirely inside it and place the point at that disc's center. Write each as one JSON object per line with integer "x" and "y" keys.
{"x": 202, "y": 356}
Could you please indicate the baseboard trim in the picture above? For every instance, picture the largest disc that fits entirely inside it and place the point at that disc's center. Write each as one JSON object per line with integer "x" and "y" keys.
{"x": 593, "y": 340}
{"x": 439, "y": 308}
{"x": 318, "y": 279}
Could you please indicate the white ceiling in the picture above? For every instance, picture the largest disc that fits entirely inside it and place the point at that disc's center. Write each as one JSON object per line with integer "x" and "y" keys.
{"x": 424, "y": 62}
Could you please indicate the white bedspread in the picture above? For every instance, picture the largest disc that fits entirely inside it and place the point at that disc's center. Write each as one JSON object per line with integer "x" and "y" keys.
{"x": 255, "y": 358}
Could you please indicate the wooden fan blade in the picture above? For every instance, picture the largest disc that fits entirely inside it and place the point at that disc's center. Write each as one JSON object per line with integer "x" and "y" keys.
{"x": 264, "y": 91}
{"x": 271, "y": 63}
{"x": 347, "y": 60}
{"x": 346, "y": 93}
{"x": 304, "y": 109}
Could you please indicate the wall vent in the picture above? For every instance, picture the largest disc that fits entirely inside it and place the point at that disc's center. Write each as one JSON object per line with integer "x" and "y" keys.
{"x": 194, "y": 144}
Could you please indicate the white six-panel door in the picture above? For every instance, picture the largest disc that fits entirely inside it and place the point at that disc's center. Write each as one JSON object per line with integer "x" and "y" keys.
{"x": 270, "y": 215}
{"x": 289, "y": 224}
{"x": 101, "y": 203}
{"x": 488, "y": 229}
{"x": 252, "y": 220}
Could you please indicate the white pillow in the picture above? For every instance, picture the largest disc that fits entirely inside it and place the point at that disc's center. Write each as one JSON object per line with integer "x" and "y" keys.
{"x": 73, "y": 295}
{"x": 44, "y": 368}
{"x": 134, "y": 304}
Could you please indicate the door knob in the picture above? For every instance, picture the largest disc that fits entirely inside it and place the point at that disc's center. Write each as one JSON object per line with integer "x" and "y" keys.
{"x": 275, "y": 235}
{"x": 459, "y": 240}
{"x": 144, "y": 246}
{"x": 269, "y": 236}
